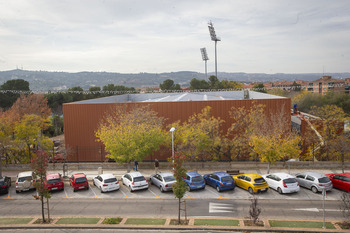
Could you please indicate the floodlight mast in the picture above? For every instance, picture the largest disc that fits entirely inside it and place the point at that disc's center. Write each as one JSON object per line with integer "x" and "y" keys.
{"x": 216, "y": 39}
{"x": 205, "y": 59}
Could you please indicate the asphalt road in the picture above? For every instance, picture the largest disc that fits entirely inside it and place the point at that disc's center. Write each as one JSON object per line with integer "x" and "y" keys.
{"x": 273, "y": 209}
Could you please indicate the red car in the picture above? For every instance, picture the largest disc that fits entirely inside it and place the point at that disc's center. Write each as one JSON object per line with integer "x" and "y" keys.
{"x": 54, "y": 182}
{"x": 79, "y": 181}
{"x": 340, "y": 180}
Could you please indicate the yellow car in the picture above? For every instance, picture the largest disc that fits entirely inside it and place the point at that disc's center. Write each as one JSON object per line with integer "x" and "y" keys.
{"x": 252, "y": 182}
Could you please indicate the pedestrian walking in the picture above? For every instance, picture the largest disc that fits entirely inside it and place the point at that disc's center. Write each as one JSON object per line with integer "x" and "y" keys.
{"x": 156, "y": 165}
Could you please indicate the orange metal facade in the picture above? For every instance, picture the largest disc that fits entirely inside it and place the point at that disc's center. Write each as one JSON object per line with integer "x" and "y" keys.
{"x": 82, "y": 119}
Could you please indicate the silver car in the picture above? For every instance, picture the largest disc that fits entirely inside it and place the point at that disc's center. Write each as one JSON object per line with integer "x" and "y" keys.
{"x": 163, "y": 181}
{"x": 134, "y": 181}
{"x": 25, "y": 181}
{"x": 314, "y": 181}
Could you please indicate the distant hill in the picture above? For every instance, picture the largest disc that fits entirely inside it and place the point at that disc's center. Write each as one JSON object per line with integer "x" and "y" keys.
{"x": 46, "y": 81}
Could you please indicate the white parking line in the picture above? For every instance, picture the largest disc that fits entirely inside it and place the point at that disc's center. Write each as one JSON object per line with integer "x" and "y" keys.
{"x": 94, "y": 192}
{"x": 213, "y": 192}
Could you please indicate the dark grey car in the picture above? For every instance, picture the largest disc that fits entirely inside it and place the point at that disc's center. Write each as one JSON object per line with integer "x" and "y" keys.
{"x": 163, "y": 181}
{"x": 314, "y": 181}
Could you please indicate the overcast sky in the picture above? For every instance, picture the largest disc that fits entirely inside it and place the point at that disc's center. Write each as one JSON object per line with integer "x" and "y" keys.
{"x": 132, "y": 36}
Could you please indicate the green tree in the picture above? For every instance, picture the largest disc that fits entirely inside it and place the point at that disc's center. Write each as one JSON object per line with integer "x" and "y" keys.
{"x": 75, "y": 94}
{"x": 214, "y": 82}
{"x": 180, "y": 187}
{"x": 39, "y": 165}
{"x": 169, "y": 84}
{"x": 11, "y": 90}
{"x": 94, "y": 92}
{"x": 231, "y": 85}
{"x": 259, "y": 87}
{"x": 196, "y": 84}
{"x": 131, "y": 135}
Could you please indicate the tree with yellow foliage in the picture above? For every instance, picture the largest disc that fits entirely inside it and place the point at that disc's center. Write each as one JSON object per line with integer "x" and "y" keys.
{"x": 273, "y": 140}
{"x": 131, "y": 134}
{"x": 199, "y": 138}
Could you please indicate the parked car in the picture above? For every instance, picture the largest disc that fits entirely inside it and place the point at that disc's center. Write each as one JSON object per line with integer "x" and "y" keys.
{"x": 79, "y": 181}
{"x": 54, "y": 181}
{"x": 163, "y": 180}
{"x": 134, "y": 181}
{"x": 340, "y": 180}
{"x": 314, "y": 181}
{"x": 220, "y": 180}
{"x": 194, "y": 181}
{"x": 252, "y": 182}
{"x": 106, "y": 182}
{"x": 282, "y": 182}
{"x": 5, "y": 183}
{"x": 25, "y": 181}
{"x": 57, "y": 158}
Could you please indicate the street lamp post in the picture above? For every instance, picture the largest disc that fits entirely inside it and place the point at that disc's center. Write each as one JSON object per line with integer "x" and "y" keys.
{"x": 172, "y": 143}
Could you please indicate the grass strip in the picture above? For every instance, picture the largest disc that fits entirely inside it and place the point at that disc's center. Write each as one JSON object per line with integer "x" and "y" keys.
{"x": 300, "y": 224}
{"x": 112, "y": 220}
{"x": 145, "y": 221}
{"x": 14, "y": 221}
{"x": 78, "y": 221}
{"x": 216, "y": 222}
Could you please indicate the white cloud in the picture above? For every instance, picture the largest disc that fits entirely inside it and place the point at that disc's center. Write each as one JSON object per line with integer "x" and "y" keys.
{"x": 163, "y": 35}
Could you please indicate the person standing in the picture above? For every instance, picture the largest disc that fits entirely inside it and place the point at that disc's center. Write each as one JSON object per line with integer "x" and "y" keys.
{"x": 156, "y": 165}
{"x": 136, "y": 165}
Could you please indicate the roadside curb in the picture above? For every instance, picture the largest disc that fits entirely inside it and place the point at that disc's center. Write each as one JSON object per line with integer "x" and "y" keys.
{"x": 167, "y": 226}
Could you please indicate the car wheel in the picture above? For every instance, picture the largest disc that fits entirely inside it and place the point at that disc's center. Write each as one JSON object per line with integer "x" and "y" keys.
{"x": 150, "y": 181}
{"x": 250, "y": 190}
{"x": 218, "y": 188}
{"x": 161, "y": 189}
{"x": 130, "y": 189}
{"x": 279, "y": 190}
{"x": 314, "y": 189}
{"x": 93, "y": 182}
{"x": 87, "y": 188}
{"x": 188, "y": 188}
{"x": 74, "y": 190}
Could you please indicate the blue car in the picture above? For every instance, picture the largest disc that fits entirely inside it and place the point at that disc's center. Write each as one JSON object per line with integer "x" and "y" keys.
{"x": 194, "y": 181}
{"x": 220, "y": 180}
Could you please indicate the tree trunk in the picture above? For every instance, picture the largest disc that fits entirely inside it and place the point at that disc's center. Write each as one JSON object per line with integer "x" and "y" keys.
{"x": 42, "y": 208}
{"x": 128, "y": 167}
{"x": 268, "y": 167}
{"x": 48, "y": 209}
{"x": 342, "y": 161}
{"x": 179, "y": 218}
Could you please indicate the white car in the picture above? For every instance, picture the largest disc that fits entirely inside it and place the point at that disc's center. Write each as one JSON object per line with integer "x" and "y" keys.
{"x": 134, "y": 181}
{"x": 106, "y": 182}
{"x": 282, "y": 182}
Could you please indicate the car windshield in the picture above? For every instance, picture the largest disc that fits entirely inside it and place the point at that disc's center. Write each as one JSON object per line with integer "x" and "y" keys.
{"x": 169, "y": 178}
{"x": 110, "y": 180}
{"x": 197, "y": 179}
{"x": 226, "y": 179}
{"x": 139, "y": 179}
{"x": 324, "y": 180}
{"x": 22, "y": 179}
{"x": 290, "y": 181}
{"x": 52, "y": 181}
{"x": 259, "y": 180}
{"x": 80, "y": 180}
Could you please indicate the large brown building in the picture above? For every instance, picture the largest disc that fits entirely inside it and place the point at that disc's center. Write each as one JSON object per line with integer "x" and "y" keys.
{"x": 81, "y": 118}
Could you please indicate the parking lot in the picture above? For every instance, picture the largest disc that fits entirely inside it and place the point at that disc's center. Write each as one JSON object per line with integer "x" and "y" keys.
{"x": 154, "y": 192}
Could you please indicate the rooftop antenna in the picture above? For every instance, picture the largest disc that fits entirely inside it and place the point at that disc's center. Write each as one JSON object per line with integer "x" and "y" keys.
{"x": 205, "y": 59}
{"x": 216, "y": 39}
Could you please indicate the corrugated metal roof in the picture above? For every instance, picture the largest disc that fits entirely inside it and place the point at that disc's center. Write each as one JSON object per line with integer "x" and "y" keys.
{"x": 179, "y": 96}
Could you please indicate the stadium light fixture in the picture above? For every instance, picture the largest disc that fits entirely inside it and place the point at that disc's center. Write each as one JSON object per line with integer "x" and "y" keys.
{"x": 205, "y": 59}
{"x": 216, "y": 39}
